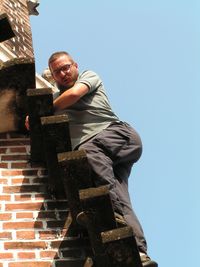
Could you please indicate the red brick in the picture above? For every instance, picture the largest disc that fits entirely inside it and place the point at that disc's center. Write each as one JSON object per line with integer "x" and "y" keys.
{"x": 5, "y": 235}
{"x": 70, "y": 263}
{"x": 56, "y": 224}
{"x": 22, "y": 225}
{"x": 3, "y": 150}
{"x": 30, "y": 264}
{"x": 47, "y": 215}
{"x": 13, "y": 134}
{"x": 48, "y": 234}
{"x": 25, "y": 245}
{"x": 25, "y": 234}
{"x": 74, "y": 253}
{"x": 42, "y": 197}
{"x": 4, "y": 165}
{"x": 26, "y": 255}
{"x": 14, "y": 142}
{"x": 11, "y": 189}
{"x": 14, "y": 157}
{"x": 59, "y": 244}
{"x": 23, "y": 198}
{"x": 3, "y": 135}
{"x": 40, "y": 180}
{"x": 5, "y": 197}
{"x": 24, "y": 206}
{"x": 50, "y": 254}
{"x": 6, "y": 255}
{"x": 19, "y": 172}
{"x": 20, "y": 181}
{"x": 23, "y": 189}
{"x": 18, "y": 149}
{"x": 38, "y": 165}
{"x": 12, "y": 173}
{"x": 5, "y": 216}
{"x": 20, "y": 165}
{"x": 3, "y": 181}
{"x": 24, "y": 215}
{"x": 61, "y": 205}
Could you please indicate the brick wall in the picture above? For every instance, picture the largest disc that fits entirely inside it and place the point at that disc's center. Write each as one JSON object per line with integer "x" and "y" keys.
{"x": 33, "y": 226}
{"x": 17, "y": 11}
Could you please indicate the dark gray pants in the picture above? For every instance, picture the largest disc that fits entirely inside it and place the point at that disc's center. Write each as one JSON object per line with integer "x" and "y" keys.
{"x": 111, "y": 155}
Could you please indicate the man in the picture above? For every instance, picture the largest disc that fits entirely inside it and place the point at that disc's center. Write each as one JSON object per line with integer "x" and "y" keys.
{"x": 112, "y": 146}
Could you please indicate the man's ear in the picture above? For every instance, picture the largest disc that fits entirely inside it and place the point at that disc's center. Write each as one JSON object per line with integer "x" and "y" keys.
{"x": 52, "y": 74}
{"x": 47, "y": 75}
{"x": 76, "y": 65}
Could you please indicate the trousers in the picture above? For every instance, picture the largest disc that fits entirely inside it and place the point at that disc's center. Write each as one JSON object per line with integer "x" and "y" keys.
{"x": 111, "y": 155}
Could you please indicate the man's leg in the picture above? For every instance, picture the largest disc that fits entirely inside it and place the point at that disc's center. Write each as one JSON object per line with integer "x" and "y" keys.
{"x": 111, "y": 155}
{"x": 130, "y": 216}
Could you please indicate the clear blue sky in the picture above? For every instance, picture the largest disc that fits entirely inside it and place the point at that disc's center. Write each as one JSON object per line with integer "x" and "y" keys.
{"x": 148, "y": 55}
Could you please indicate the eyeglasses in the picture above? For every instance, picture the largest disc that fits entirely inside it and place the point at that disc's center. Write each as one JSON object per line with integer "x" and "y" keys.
{"x": 66, "y": 68}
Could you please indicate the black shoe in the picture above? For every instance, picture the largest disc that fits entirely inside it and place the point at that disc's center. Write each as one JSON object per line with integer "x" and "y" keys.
{"x": 146, "y": 261}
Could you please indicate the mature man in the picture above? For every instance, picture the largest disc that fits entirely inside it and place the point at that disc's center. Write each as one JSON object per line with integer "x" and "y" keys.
{"x": 112, "y": 146}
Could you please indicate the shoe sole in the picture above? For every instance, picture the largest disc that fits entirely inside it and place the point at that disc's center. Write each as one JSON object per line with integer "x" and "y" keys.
{"x": 150, "y": 264}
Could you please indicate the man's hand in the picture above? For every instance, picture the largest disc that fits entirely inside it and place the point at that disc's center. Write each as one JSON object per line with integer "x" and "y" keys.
{"x": 27, "y": 123}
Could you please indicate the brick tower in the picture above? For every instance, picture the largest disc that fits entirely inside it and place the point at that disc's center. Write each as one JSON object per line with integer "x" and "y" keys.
{"x": 33, "y": 225}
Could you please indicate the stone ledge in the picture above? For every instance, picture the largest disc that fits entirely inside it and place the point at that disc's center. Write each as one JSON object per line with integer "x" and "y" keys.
{"x": 18, "y": 73}
{"x": 16, "y": 76}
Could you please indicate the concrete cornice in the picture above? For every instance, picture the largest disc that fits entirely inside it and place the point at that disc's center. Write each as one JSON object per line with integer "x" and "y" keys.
{"x": 6, "y": 55}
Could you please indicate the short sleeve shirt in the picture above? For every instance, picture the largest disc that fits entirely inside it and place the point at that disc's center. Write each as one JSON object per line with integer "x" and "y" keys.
{"x": 92, "y": 113}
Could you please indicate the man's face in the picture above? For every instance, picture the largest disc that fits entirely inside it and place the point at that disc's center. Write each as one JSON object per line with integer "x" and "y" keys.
{"x": 64, "y": 71}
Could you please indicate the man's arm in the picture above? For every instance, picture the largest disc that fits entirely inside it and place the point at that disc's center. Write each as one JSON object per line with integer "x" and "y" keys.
{"x": 66, "y": 99}
{"x": 70, "y": 96}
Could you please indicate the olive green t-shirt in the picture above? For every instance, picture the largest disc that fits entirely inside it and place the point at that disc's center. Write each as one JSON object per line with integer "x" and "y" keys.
{"x": 92, "y": 113}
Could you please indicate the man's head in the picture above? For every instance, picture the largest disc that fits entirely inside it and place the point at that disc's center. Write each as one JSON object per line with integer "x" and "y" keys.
{"x": 63, "y": 69}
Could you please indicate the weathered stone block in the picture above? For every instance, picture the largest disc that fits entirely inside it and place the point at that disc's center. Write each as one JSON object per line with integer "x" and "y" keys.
{"x": 40, "y": 104}
{"x": 75, "y": 173}
{"x": 56, "y": 138}
{"x": 56, "y": 130}
{"x": 112, "y": 246}
{"x": 98, "y": 202}
{"x": 16, "y": 76}
{"x": 120, "y": 247}
{"x": 97, "y": 216}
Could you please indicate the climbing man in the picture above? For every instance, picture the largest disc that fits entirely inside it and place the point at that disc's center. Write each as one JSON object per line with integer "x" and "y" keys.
{"x": 112, "y": 146}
